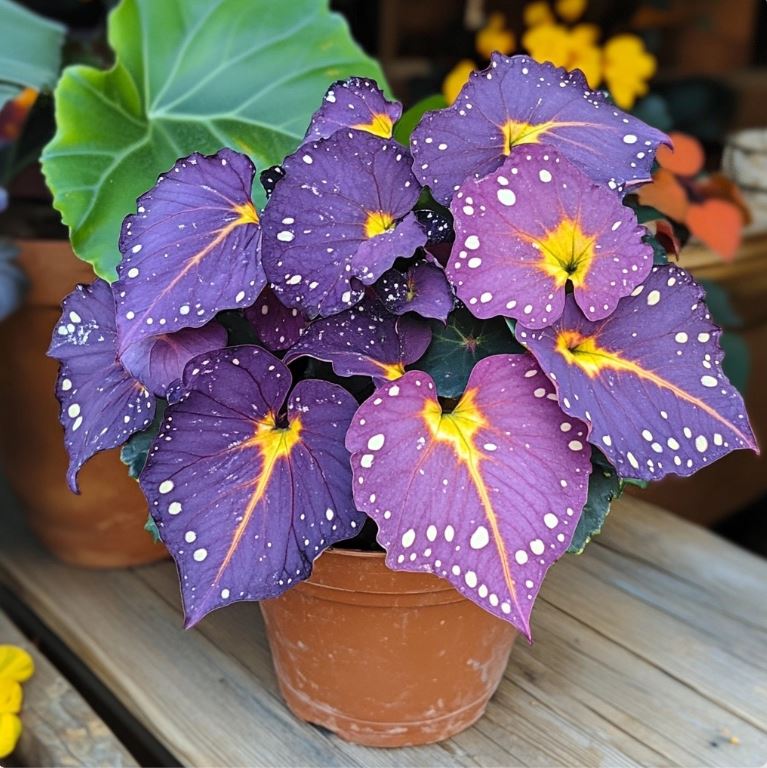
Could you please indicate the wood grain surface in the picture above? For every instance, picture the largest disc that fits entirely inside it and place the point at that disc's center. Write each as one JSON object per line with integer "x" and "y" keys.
{"x": 650, "y": 649}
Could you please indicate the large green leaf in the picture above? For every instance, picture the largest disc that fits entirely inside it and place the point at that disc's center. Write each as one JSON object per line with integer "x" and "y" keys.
{"x": 189, "y": 75}
{"x": 30, "y": 50}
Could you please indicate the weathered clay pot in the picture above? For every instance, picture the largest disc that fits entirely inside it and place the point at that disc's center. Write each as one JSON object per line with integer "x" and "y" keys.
{"x": 104, "y": 526}
{"x": 382, "y": 658}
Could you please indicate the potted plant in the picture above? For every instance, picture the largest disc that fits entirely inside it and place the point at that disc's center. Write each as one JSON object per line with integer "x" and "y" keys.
{"x": 131, "y": 113}
{"x": 435, "y": 365}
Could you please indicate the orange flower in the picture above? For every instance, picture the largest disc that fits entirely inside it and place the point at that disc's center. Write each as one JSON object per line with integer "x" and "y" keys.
{"x": 627, "y": 66}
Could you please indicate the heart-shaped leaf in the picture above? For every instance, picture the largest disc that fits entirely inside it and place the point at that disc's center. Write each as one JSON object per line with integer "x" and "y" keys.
{"x": 190, "y": 76}
{"x": 286, "y": 479}
{"x": 102, "y": 405}
{"x": 536, "y": 225}
{"x": 486, "y": 496}
{"x": 647, "y": 380}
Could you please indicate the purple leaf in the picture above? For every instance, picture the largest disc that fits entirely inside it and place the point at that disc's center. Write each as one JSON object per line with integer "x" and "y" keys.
{"x": 423, "y": 289}
{"x": 438, "y": 227}
{"x": 277, "y": 327}
{"x": 191, "y": 250}
{"x": 244, "y": 498}
{"x": 366, "y": 340}
{"x": 158, "y": 361}
{"x": 102, "y": 405}
{"x": 354, "y": 103}
{"x": 518, "y": 101}
{"x": 648, "y": 380}
{"x": 537, "y": 224}
{"x": 487, "y": 496}
{"x": 340, "y": 215}
{"x": 270, "y": 178}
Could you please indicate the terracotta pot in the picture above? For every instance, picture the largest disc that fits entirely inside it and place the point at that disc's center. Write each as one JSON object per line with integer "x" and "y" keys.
{"x": 382, "y": 658}
{"x": 104, "y": 526}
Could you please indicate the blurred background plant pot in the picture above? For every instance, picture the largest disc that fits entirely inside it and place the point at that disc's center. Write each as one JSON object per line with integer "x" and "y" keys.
{"x": 104, "y": 526}
{"x": 382, "y": 658}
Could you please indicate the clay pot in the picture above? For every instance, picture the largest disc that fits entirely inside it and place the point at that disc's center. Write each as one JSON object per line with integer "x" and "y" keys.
{"x": 104, "y": 526}
{"x": 384, "y": 658}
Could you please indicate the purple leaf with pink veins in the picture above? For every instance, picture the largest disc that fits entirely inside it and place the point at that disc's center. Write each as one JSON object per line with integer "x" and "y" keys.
{"x": 487, "y": 496}
{"x": 338, "y": 220}
{"x": 358, "y": 103}
{"x": 102, "y": 405}
{"x": 517, "y": 102}
{"x": 159, "y": 360}
{"x": 536, "y": 225}
{"x": 647, "y": 380}
{"x": 246, "y": 495}
{"x": 191, "y": 250}
{"x": 366, "y": 340}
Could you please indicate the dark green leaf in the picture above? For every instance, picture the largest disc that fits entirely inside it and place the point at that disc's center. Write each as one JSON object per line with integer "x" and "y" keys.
{"x": 133, "y": 454}
{"x": 457, "y": 346}
{"x": 151, "y": 528}
{"x": 737, "y": 359}
{"x": 654, "y": 111}
{"x": 410, "y": 119}
{"x": 659, "y": 253}
{"x": 720, "y": 306}
{"x": 190, "y": 76}
{"x": 604, "y": 487}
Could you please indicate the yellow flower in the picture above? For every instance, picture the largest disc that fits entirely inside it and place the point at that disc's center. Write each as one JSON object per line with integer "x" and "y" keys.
{"x": 495, "y": 36}
{"x": 537, "y": 13}
{"x": 15, "y": 663}
{"x": 16, "y": 666}
{"x": 570, "y": 48}
{"x": 627, "y": 68}
{"x": 10, "y": 706}
{"x": 10, "y": 733}
{"x": 456, "y": 79}
{"x": 571, "y": 10}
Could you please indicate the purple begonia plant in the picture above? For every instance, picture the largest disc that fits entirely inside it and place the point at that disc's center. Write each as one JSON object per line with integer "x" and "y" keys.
{"x": 477, "y": 381}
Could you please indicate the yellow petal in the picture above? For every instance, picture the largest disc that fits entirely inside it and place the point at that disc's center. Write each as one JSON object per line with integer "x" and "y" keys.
{"x": 571, "y": 10}
{"x": 10, "y": 732}
{"x": 456, "y": 79}
{"x": 16, "y": 663}
{"x": 11, "y": 696}
{"x": 548, "y": 42}
{"x": 585, "y": 34}
{"x": 495, "y": 36}
{"x": 589, "y": 61}
{"x": 537, "y": 13}
{"x": 627, "y": 66}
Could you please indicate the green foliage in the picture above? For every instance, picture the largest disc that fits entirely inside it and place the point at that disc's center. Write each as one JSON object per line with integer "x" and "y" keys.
{"x": 30, "y": 51}
{"x": 410, "y": 119}
{"x": 151, "y": 528}
{"x": 134, "y": 452}
{"x": 457, "y": 346}
{"x": 189, "y": 75}
{"x": 604, "y": 487}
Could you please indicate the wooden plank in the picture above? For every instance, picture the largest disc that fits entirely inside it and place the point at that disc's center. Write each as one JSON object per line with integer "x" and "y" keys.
{"x": 624, "y": 671}
{"x": 60, "y": 728}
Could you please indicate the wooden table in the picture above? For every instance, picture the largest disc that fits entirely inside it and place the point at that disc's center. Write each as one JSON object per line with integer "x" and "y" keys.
{"x": 651, "y": 649}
